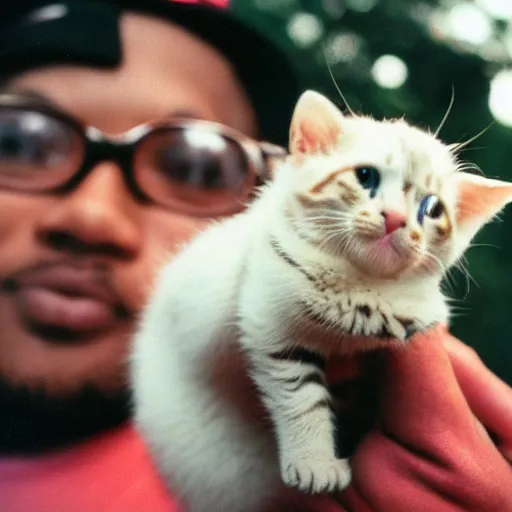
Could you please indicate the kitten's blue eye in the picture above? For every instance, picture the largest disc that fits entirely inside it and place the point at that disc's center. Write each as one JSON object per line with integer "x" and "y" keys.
{"x": 430, "y": 206}
{"x": 369, "y": 178}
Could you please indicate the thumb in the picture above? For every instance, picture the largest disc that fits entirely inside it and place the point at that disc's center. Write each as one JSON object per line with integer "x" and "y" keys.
{"x": 489, "y": 398}
{"x": 421, "y": 402}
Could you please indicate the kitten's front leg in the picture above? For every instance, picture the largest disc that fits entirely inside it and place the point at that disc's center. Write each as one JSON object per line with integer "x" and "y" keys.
{"x": 294, "y": 391}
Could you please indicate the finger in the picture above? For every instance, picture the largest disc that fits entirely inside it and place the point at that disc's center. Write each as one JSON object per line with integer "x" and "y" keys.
{"x": 421, "y": 402}
{"x": 489, "y": 397}
{"x": 391, "y": 477}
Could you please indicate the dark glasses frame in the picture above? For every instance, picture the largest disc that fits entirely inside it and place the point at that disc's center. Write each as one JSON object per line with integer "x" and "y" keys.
{"x": 99, "y": 147}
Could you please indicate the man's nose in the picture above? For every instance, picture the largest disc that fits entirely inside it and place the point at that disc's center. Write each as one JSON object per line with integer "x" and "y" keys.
{"x": 100, "y": 215}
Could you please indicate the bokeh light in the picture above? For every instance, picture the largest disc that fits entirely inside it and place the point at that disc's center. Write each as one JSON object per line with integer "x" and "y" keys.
{"x": 507, "y": 41}
{"x": 468, "y": 23}
{"x": 361, "y": 5}
{"x": 343, "y": 47}
{"x": 276, "y": 5}
{"x": 305, "y": 29}
{"x": 334, "y": 8}
{"x": 500, "y": 97}
{"x": 499, "y": 9}
{"x": 390, "y": 72}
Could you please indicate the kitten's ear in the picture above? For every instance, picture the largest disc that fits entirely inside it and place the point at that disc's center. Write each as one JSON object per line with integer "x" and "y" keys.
{"x": 316, "y": 125}
{"x": 480, "y": 199}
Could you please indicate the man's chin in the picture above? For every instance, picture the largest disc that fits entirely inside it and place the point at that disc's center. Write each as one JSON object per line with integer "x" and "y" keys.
{"x": 32, "y": 421}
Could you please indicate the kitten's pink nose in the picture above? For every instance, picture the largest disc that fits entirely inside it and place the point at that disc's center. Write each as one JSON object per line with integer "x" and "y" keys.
{"x": 393, "y": 220}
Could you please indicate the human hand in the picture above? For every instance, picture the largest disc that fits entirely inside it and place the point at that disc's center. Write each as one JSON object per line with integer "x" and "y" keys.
{"x": 429, "y": 451}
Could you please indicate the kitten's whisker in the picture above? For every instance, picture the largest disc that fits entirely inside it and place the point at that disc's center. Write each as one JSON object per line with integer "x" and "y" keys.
{"x": 476, "y": 148}
{"x": 329, "y": 213}
{"x": 459, "y": 308}
{"x": 349, "y": 243}
{"x": 459, "y": 315}
{"x": 325, "y": 228}
{"x": 448, "y": 112}
{"x": 351, "y": 240}
{"x": 313, "y": 220}
{"x": 453, "y": 280}
{"x": 340, "y": 235}
{"x": 425, "y": 252}
{"x": 334, "y": 226}
{"x": 336, "y": 85}
{"x": 469, "y": 167}
{"x": 336, "y": 234}
{"x": 449, "y": 282}
{"x": 461, "y": 267}
{"x": 434, "y": 258}
{"x": 471, "y": 246}
{"x": 458, "y": 146}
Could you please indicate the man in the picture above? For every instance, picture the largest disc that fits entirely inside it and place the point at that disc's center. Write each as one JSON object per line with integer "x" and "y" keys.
{"x": 84, "y": 227}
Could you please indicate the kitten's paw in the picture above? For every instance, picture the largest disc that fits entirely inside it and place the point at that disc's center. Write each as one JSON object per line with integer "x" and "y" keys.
{"x": 317, "y": 475}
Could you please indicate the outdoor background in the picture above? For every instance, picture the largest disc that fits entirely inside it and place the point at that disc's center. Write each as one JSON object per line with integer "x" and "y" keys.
{"x": 396, "y": 57}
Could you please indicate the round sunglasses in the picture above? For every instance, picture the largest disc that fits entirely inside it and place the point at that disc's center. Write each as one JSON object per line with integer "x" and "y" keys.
{"x": 195, "y": 167}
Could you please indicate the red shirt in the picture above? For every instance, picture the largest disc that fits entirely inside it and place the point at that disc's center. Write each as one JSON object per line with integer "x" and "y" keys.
{"x": 109, "y": 473}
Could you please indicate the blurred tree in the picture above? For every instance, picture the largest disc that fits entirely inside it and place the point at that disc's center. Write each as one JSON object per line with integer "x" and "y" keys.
{"x": 404, "y": 57}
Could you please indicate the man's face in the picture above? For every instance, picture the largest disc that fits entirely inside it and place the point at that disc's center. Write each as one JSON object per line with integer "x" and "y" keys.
{"x": 76, "y": 269}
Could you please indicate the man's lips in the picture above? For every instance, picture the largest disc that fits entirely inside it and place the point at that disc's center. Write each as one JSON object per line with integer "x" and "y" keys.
{"x": 68, "y": 298}
{"x": 46, "y": 307}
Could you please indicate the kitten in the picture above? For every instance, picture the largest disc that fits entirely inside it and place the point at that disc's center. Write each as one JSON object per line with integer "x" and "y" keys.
{"x": 343, "y": 251}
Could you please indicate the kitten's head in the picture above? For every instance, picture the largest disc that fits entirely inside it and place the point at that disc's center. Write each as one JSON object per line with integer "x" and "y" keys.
{"x": 385, "y": 195}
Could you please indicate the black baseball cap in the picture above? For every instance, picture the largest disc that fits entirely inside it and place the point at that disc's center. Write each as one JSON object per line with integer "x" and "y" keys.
{"x": 36, "y": 33}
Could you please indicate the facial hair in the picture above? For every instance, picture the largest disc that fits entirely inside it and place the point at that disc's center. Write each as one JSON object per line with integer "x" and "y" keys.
{"x": 34, "y": 422}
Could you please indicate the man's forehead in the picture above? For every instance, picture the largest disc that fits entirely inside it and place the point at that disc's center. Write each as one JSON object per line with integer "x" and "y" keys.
{"x": 36, "y": 97}
{"x": 115, "y": 101}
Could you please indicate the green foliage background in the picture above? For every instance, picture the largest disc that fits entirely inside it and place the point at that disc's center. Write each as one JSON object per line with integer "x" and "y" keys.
{"x": 484, "y": 316}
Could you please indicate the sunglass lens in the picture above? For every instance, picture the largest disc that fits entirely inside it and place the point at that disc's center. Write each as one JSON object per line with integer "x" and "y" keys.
{"x": 194, "y": 169}
{"x": 37, "y": 151}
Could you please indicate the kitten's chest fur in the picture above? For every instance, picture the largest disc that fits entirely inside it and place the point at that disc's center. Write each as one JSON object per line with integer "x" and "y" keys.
{"x": 340, "y": 305}
{"x": 314, "y": 297}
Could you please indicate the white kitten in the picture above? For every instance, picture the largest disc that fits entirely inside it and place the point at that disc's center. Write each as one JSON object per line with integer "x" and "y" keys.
{"x": 343, "y": 251}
